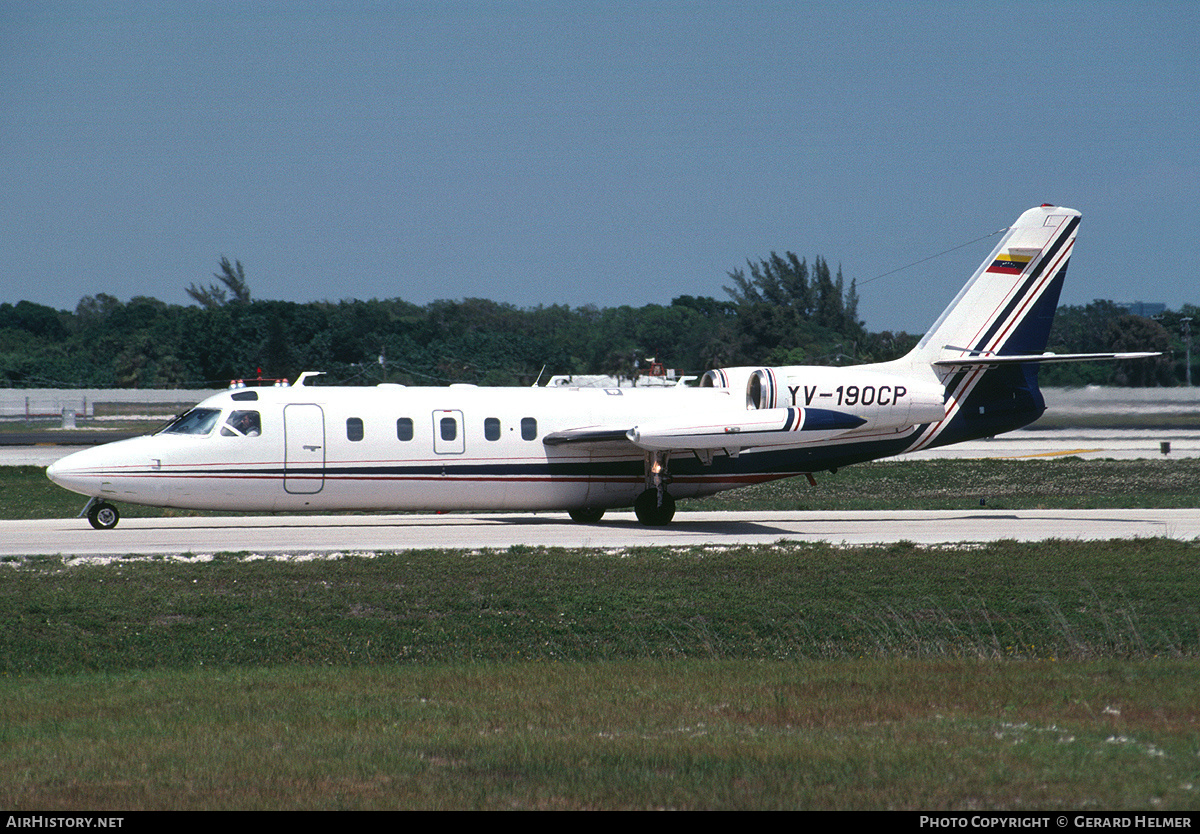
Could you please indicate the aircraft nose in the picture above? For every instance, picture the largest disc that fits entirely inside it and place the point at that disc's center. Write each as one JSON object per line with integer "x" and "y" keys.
{"x": 66, "y": 473}
{"x": 114, "y": 469}
{"x": 54, "y": 470}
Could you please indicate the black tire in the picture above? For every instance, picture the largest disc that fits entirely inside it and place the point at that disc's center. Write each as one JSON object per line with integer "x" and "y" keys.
{"x": 103, "y": 516}
{"x": 586, "y": 516}
{"x": 650, "y": 512}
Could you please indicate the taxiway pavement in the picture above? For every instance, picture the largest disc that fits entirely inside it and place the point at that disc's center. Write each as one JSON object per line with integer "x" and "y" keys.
{"x": 299, "y": 535}
{"x": 1120, "y": 444}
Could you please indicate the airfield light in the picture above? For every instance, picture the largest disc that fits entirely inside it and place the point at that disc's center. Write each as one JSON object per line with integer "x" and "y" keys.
{"x": 1186, "y": 324}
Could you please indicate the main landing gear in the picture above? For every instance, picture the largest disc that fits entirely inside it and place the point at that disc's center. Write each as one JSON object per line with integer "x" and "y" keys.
{"x": 655, "y": 507}
{"x": 101, "y": 514}
{"x": 586, "y": 516}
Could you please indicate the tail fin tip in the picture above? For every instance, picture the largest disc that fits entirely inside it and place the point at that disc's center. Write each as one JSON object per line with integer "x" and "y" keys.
{"x": 1008, "y": 304}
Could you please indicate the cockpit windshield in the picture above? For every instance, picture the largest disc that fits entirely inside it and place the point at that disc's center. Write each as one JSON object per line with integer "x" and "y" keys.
{"x": 196, "y": 421}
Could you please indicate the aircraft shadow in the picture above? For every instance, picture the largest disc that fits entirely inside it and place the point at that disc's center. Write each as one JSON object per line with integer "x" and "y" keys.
{"x": 679, "y": 525}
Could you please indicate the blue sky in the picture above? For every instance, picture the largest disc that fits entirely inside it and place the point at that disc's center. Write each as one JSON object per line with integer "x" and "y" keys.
{"x": 600, "y": 153}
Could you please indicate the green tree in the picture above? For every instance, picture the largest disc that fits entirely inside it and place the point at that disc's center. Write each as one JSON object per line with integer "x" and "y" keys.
{"x": 1129, "y": 333}
{"x": 214, "y": 295}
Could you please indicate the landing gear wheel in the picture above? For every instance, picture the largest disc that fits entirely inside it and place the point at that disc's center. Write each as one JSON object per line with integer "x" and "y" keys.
{"x": 587, "y": 515}
{"x": 103, "y": 516}
{"x": 650, "y": 512}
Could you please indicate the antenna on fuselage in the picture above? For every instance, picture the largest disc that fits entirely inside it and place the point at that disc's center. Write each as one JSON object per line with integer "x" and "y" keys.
{"x": 539, "y": 377}
{"x": 300, "y": 379}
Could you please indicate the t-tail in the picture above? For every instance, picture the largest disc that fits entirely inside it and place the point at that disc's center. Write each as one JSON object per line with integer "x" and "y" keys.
{"x": 987, "y": 346}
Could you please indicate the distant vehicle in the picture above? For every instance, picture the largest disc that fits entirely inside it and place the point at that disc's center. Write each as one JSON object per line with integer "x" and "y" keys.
{"x": 664, "y": 380}
{"x": 585, "y": 450}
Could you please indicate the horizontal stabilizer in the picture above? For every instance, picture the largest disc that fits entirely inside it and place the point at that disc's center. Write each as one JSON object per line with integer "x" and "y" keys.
{"x": 992, "y": 359}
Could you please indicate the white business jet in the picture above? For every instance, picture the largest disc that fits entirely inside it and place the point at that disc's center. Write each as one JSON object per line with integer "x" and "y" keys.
{"x": 585, "y": 450}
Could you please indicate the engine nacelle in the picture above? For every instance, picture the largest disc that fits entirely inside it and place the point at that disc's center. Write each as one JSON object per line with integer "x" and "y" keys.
{"x": 731, "y": 379}
{"x": 882, "y": 400}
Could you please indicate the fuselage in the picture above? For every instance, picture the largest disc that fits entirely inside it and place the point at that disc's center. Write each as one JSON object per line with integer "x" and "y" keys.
{"x": 460, "y": 447}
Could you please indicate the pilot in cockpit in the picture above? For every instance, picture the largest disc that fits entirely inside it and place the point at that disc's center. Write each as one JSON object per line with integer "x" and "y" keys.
{"x": 244, "y": 423}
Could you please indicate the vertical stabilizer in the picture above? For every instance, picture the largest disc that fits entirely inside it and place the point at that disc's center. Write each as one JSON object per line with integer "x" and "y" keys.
{"x": 1005, "y": 309}
{"x": 1008, "y": 305}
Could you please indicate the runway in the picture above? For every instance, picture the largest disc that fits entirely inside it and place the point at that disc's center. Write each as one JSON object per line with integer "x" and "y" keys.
{"x": 302, "y": 535}
{"x": 1117, "y": 444}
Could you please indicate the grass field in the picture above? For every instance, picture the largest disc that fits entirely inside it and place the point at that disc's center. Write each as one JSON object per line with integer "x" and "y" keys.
{"x": 1058, "y": 675}
{"x": 1058, "y": 483}
{"x": 894, "y": 734}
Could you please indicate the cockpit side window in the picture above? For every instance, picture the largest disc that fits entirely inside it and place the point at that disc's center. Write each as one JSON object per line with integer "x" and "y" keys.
{"x": 198, "y": 421}
{"x": 242, "y": 424}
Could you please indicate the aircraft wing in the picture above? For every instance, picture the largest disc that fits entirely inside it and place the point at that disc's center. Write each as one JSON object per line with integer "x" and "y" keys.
{"x": 588, "y": 434}
{"x": 727, "y": 430}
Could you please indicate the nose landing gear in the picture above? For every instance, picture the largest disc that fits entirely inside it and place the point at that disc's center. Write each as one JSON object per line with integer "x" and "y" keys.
{"x": 101, "y": 514}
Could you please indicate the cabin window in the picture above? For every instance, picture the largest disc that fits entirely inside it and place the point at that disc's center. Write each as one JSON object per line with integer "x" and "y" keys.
{"x": 354, "y": 428}
{"x": 196, "y": 421}
{"x": 528, "y": 428}
{"x": 491, "y": 428}
{"x": 449, "y": 428}
{"x": 404, "y": 429}
{"x": 242, "y": 424}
